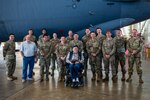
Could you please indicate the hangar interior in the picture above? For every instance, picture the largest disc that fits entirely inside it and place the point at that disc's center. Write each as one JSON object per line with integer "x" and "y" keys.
{"x": 54, "y": 90}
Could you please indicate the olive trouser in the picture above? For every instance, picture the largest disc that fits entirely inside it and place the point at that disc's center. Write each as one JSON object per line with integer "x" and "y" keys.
{"x": 44, "y": 64}
{"x": 120, "y": 58}
{"x": 137, "y": 60}
{"x": 95, "y": 65}
{"x": 10, "y": 65}
{"x": 108, "y": 61}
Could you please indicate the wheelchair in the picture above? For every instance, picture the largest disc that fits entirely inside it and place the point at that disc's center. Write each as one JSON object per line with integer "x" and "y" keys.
{"x": 68, "y": 80}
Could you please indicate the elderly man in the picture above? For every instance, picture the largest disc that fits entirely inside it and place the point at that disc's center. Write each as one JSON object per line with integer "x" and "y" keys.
{"x": 28, "y": 51}
{"x": 75, "y": 59}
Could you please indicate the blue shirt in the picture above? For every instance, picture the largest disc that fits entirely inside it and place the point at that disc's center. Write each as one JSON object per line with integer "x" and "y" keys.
{"x": 28, "y": 48}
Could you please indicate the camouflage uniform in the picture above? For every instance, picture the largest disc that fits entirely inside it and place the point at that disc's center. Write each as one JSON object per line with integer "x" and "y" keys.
{"x": 142, "y": 40}
{"x": 45, "y": 53}
{"x": 109, "y": 48}
{"x": 61, "y": 51}
{"x": 85, "y": 38}
{"x": 41, "y": 38}
{"x": 32, "y": 38}
{"x": 10, "y": 57}
{"x": 68, "y": 39}
{"x": 54, "y": 42}
{"x": 93, "y": 46}
{"x": 100, "y": 39}
{"x": 120, "y": 43}
{"x": 135, "y": 43}
{"x": 74, "y": 43}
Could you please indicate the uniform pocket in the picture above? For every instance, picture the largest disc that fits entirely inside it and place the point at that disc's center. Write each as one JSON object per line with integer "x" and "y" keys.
{"x": 10, "y": 56}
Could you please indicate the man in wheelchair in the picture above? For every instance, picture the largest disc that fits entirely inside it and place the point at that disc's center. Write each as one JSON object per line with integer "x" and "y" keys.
{"x": 75, "y": 60}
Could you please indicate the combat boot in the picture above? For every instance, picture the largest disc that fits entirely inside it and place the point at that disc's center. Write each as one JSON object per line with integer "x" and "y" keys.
{"x": 94, "y": 77}
{"x": 106, "y": 79}
{"x": 114, "y": 78}
{"x": 41, "y": 79}
{"x": 140, "y": 79}
{"x": 101, "y": 75}
{"x": 9, "y": 79}
{"x": 123, "y": 77}
{"x": 129, "y": 78}
{"x": 60, "y": 78}
{"x": 97, "y": 77}
{"x": 52, "y": 73}
{"x": 47, "y": 78}
{"x": 85, "y": 73}
{"x": 14, "y": 77}
{"x": 63, "y": 78}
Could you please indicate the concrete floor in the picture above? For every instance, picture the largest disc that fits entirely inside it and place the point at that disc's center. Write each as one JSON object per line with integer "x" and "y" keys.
{"x": 54, "y": 90}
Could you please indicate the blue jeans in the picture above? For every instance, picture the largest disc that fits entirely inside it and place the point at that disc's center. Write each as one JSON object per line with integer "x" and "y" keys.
{"x": 27, "y": 61}
{"x": 74, "y": 69}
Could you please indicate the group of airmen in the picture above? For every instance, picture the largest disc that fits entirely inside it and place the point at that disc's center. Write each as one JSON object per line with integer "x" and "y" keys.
{"x": 96, "y": 48}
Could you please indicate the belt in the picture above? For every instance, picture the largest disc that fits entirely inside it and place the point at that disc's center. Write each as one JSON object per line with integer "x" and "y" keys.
{"x": 29, "y": 56}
